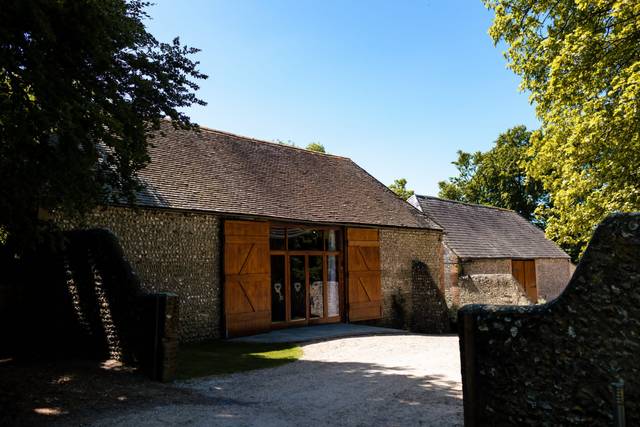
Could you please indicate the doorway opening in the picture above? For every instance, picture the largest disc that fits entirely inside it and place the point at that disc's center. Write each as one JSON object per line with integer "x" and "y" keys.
{"x": 524, "y": 270}
{"x": 306, "y": 275}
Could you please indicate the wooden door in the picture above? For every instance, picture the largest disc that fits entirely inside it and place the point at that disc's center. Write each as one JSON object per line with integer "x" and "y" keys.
{"x": 247, "y": 277}
{"x": 524, "y": 272}
{"x": 363, "y": 266}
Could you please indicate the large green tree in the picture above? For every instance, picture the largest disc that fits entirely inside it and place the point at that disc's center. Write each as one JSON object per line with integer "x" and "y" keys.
{"x": 399, "y": 187}
{"x": 580, "y": 60}
{"x": 82, "y": 87}
{"x": 498, "y": 177}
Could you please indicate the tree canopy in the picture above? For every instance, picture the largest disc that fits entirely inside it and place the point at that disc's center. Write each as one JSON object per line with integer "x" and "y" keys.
{"x": 498, "y": 177}
{"x": 399, "y": 187}
{"x": 82, "y": 87}
{"x": 317, "y": 147}
{"x": 580, "y": 60}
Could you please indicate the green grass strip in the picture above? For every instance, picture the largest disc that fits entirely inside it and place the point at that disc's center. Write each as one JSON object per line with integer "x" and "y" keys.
{"x": 225, "y": 357}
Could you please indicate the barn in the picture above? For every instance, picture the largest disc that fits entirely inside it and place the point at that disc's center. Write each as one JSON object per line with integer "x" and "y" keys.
{"x": 494, "y": 255}
{"x": 253, "y": 236}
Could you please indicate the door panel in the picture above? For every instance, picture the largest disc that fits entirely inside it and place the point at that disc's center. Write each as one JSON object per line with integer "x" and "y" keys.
{"x": 247, "y": 292}
{"x": 278, "y": 283}
{"x": 517, "y": 268}
{"x": 530, "y": 280}
{"x": 524, "y": 271}
{"x": 316, "y": 286}
{"x": 333, "y": 286}
{"x": 298, "y": 289}
{"x": 364, "y": 282}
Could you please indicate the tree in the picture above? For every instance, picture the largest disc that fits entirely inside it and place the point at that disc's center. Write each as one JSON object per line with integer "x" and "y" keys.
{"x": 83, "y": 85}
{"x": 460, "y": 187}
{"x": 498, "y": 177}
{"x": 580, "y": 60}
{"x": 317, "y": 147}
{"x": 399, "y": 187}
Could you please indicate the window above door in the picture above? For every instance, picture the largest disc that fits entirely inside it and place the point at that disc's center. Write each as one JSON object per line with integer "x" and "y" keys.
{"x": 305, "y": 239}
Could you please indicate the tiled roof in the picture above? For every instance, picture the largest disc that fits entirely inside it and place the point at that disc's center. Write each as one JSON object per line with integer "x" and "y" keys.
{"x": 476, "y": 231}
{"x": 220, "y": 172}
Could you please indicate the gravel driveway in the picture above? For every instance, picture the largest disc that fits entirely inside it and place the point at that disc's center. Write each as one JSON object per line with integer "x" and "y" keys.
{"x": 395, "y": 380}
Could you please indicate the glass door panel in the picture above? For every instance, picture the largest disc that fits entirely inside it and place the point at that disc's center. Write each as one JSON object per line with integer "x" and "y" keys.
{"x": 333, "y": 288}
{"x": 316, "y": 288}
{"x": 278, "y": 302}
{"x": 298, "y": 289}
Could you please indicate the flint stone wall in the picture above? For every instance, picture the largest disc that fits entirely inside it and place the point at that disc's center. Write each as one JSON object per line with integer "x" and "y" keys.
{"x": 486, "y": 266}
{"x": 552, "y": 276}
{"x": 411, "y": 264}
{"x": 497, "y": 289}
{"x": 171, "y": 252}
{"x": 554, "y": 364}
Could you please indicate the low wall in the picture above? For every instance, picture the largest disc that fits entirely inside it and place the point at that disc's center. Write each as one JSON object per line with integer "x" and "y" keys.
{"x": 557, "y": 363}
{"x": 75, "y": 296}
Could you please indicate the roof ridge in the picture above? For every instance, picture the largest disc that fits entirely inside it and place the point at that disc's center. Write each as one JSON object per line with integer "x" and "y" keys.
{"x": 262, "y": 141}
{"x": 467, "y": 203}
{"x": 418, "y": 213}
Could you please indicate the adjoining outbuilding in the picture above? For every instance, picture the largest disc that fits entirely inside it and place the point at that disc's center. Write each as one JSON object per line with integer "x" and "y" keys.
{"x": 494, "y": 255}
{"x": 254, "y": 236}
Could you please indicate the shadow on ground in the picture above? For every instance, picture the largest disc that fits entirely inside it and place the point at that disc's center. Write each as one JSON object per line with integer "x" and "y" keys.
{"x": 41, "y": 392}
{"x": 311, "y": 393}
{"x": 306, "y": 392}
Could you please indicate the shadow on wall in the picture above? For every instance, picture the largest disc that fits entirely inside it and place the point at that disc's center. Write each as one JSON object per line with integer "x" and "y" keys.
{"x": 429, "y": 307}
{"x": 558, "y": 362}
{"x": 78, "y": 297}
{"x": 398, "y": 305}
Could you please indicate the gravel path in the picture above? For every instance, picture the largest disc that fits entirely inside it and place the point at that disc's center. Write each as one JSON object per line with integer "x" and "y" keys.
{"x": 397, "y": 380}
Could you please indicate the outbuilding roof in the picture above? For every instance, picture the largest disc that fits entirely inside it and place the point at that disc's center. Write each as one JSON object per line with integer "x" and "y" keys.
{"x": 477, "y": 231}
{"x": 220, "y": 172}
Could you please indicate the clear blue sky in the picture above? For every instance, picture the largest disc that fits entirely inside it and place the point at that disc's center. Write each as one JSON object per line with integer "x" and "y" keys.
{"x": 398, "y": 86}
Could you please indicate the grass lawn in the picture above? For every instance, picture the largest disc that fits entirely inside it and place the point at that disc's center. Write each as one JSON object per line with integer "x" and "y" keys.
{"x": 224, "y": 357}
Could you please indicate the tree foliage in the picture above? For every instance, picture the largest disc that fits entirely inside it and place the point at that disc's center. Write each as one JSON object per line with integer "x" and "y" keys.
{"x": 581, "y": 62}
{"x": 399, "y": 187}
{"x": 312, "y": 146}
{"x": 498, "y": 177}
{"x": 82, "y": 87}
{"x": 317, "y": 147}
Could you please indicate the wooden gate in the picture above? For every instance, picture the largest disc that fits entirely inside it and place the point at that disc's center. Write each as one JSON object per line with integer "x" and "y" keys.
{"x": 365, "y": 294}
{"x": 525, "y": 273}
{"x": 247, "y": 277}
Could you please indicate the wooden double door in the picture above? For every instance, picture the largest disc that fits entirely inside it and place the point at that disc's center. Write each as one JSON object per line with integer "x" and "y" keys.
{"x": 279, "y": 276}
{"x": 524, "y": 271}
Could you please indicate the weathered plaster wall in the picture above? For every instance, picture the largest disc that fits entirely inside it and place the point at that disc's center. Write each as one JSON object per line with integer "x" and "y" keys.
{"x": 497, "y": 289}
{"x": 486, "y": 266}
{"x": 552, "y": 276}
{"x": 480, "y": 281}
{"x": 555, "y": 364}
{"x": 172, "y": 252}
{"x": 412, "y": 294}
